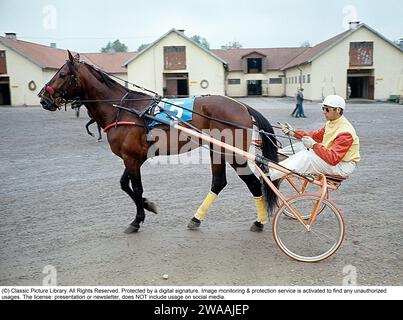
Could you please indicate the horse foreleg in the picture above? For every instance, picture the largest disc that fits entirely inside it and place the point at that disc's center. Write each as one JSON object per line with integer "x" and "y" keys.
{"x": 135, "y": 192}
{"x": 219, "y": 182}
{"x": 99, "y": 132}
{"x": 87, "y": 125}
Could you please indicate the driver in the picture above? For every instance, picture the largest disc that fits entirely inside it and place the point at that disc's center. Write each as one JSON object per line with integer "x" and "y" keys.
{"x": 333, "y": 149}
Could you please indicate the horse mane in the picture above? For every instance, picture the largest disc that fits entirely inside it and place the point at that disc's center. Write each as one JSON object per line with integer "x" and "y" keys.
{"x": 109, "y": 82}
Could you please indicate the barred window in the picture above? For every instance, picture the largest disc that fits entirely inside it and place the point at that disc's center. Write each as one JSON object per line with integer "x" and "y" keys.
{"x": 275, "y": 80}
{"x": 361, "y": 54}
{"x": 234, "y": 81}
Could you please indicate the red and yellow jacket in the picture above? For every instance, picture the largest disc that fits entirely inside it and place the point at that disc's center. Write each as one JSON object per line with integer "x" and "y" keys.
{"x": 336, "y": 142}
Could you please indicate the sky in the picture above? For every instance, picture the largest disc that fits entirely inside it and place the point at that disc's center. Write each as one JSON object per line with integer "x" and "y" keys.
{"x": 88, "y": 25}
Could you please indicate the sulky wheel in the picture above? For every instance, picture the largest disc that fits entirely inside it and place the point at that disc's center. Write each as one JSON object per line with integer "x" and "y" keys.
{"x": 313, "y": 244}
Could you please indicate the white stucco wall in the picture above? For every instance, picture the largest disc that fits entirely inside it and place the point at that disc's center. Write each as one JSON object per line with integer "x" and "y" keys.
{"x": 241, "y": 90}
{"x": 293, "y": 85}
{"x": 21, "y": 71}
{"x": 148, "y": 68}
{"x": 330, "y": 69}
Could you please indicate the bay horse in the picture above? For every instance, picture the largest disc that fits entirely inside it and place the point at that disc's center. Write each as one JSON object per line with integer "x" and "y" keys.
{"x": 127, "y": 134}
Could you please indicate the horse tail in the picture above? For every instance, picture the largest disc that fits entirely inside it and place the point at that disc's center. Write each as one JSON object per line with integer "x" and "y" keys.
{"x": 269, "y": 151}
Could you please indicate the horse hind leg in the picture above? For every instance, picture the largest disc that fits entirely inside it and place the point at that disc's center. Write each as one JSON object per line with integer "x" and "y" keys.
{"x": 219, "y": 181}
{"x": 255, "y": 187}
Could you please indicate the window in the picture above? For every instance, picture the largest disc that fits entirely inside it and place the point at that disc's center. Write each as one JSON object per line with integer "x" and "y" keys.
{"x": 295, "y": 80}
{"x": 303, "y": 79}
{"x": 175, "y": 58}
{"x": 275, "y": 81}
{"x": 254, "y": 65}
{"x": 308, "y": 80}
{"x": 234, "y": 81}
{"x": 3, "y": 65}
{"x": 361, "y": 54}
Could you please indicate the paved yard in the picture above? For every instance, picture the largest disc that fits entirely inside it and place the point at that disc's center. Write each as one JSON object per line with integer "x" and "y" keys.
{"x": 61, "y": 205}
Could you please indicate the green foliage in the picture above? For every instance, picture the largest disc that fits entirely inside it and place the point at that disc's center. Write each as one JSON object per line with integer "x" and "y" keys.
{"x": 201, "y": 41}
{"x": 115, "y": 46}
{"x": 142, "y": 47}
{"x": 232, "y": 45}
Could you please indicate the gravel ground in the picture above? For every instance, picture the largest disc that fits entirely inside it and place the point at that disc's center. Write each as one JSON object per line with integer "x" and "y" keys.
{"x": 61, "y": 205}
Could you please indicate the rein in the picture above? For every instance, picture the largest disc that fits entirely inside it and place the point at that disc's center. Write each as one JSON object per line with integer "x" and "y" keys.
{"x": 77, "y": 102}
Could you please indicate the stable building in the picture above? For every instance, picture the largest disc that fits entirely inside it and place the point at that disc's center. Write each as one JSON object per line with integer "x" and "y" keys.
{"x": 359, "y": 63}
{"x": 176, "y": 66}
{"x": 256, "y": 71}
{"x": 25, "y": 67}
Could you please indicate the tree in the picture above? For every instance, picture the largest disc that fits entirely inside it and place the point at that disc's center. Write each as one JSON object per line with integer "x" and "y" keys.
{"x": 115, "y": 46}
{"x": 142, "y": 47}
{"x": 305, "y": 44}
{"x": 232, "y": 45}
{"x": 201, "y": 41}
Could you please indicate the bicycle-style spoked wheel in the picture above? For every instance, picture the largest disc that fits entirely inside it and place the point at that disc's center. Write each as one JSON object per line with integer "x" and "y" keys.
{"x": 323, "y": 238}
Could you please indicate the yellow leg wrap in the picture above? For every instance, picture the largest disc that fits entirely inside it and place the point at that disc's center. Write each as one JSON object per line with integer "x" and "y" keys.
{"x": 203, "y": 209}
{"x": 262, "y": 215}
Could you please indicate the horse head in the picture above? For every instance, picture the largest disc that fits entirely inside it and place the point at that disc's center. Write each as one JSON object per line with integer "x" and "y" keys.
{"x": 64, "y": 87}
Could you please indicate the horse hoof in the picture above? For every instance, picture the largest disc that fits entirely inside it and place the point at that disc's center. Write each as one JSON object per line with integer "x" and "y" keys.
{"x": 132, "y": 229}
{"x": 194, "y": 224}
{"x": 257, "y": 227}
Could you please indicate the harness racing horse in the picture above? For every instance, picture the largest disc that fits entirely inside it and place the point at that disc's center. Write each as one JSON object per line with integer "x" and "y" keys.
{"x": 129, "y": 135}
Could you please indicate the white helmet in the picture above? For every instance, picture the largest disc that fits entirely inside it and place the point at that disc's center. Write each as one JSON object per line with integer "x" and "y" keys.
{"x": 334, "y": 101}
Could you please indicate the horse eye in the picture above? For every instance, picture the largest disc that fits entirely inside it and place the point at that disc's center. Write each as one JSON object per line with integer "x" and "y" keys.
{"x": 62, "y": 74}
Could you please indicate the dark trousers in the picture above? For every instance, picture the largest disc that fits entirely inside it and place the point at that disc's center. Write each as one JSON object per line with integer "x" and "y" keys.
{"x": 295, "y": 110}
{"x": 300, "y": 111}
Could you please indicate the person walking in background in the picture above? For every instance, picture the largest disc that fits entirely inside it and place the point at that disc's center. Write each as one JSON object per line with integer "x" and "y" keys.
{"x": 300, "y": 99}
{"x": 296, "y": 104}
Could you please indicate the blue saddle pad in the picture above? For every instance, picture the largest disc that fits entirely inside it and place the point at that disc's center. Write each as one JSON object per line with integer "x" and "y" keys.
{"x": 174, "y": 106}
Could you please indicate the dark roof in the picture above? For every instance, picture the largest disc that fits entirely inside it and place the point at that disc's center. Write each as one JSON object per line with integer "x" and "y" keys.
{"x": 310, "y": 53}
{"x": 316, "y": 51}
{"x": 276, "y": 57}
{"x": 53, "y": 58}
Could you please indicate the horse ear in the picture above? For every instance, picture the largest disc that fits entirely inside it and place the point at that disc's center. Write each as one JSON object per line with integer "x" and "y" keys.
{"x": 71, "y": 58}
{"x": 77, "y": 57}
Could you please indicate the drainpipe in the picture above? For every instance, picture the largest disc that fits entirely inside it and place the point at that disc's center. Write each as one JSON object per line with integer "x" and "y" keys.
{"x": 285, "y": 83}
{"x": 300, "y": 76}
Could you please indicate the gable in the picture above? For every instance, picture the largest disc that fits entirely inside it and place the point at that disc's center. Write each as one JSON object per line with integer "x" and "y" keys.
{"x": 175, "y": 38}
{"x": 317, "y": 51}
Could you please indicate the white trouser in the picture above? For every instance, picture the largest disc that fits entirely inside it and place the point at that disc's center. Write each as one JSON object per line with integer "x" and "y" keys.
{"x": 308, "y": 162}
